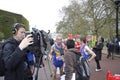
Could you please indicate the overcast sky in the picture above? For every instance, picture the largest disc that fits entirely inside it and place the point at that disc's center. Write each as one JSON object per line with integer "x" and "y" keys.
{"x": 40, "y": 13}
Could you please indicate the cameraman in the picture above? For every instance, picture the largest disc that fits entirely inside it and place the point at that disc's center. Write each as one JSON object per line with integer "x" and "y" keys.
{"x": 15, "y": 54}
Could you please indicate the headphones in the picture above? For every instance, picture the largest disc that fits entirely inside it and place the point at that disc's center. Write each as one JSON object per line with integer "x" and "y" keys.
{"x": 14, "y": 28}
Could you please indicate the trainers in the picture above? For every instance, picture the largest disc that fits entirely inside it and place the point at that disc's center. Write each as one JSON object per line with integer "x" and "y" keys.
{"x": 98, "y": 70}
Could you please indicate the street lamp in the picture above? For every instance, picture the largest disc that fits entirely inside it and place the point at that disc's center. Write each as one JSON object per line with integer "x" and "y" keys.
{"x": 117, "y": 8}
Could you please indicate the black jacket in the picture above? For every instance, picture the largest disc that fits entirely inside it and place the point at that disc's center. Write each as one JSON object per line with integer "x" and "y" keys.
{"x": 15, "y": 61}
{"x": 98, "y": 50}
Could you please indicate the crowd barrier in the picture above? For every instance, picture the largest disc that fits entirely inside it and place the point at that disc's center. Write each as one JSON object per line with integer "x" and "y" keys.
{"x": 112, "y": 77}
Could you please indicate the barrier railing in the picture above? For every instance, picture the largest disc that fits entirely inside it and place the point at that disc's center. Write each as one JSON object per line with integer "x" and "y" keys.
{"x": 111, "y": 77}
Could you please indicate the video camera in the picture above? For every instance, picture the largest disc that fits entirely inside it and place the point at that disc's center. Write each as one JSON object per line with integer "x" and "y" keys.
{"x": 39, "y": 47}
{"x": 41, "y": 41}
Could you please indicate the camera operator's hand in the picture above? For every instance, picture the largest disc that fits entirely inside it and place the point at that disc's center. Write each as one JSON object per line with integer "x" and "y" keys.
{"x": 28, "y": 40}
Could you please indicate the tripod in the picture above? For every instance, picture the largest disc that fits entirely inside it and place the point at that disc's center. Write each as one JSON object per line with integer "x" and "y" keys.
{"x": 40, "y": 64}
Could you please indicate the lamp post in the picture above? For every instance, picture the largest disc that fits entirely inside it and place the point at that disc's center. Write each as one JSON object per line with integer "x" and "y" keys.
{"x": 117, "y": 9}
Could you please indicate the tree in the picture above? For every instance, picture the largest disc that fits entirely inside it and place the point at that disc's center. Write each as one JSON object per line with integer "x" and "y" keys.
{"x": 95, "y": 17}
{"x": 1, "y": 36}
{"x": 72, "y": 21}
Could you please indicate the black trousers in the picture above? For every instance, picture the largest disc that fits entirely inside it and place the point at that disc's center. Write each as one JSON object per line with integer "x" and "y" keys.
{"x": 97, "y": 64}
{"x": 110, "y": 54}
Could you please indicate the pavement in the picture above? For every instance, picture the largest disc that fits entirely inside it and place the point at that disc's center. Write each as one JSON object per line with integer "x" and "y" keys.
{"x": 112, "y": 65}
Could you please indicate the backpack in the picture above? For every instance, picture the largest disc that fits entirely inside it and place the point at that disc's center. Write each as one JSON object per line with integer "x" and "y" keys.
{"x": 82, "y": 67}
{"x": 2, "y": 66}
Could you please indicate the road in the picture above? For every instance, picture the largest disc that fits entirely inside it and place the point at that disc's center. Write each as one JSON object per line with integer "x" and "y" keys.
{"x": 106, "y": 64}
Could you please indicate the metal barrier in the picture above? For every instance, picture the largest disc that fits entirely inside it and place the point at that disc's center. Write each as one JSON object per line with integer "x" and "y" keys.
{"x": 111, "y": 77}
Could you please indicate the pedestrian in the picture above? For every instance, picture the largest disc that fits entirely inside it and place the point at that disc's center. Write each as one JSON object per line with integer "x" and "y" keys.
{"x": 110, "y": 48}
{"x": 70, "y": 59}
{"x": 86, "y": 52}
{"x": 98, "y": 51}
{"x": 77, "y": 68}
{"x": 15, "y": 54}
{"x": 56, "y": 55}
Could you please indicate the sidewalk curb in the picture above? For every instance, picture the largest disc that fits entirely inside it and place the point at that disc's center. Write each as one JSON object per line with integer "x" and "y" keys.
{"x": 104, "y": 51}
{"x": 115, "y": 55}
